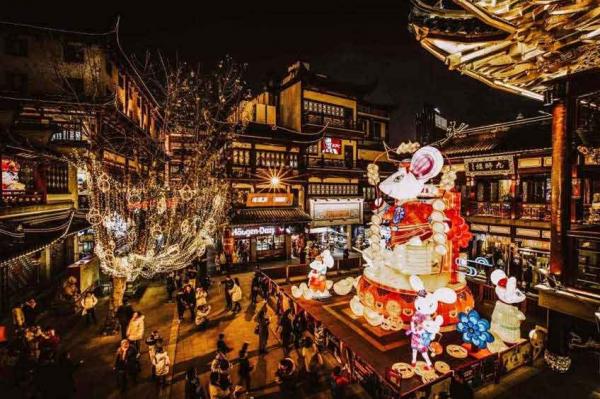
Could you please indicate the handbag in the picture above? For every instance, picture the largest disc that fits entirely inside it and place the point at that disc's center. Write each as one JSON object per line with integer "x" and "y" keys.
{"x": 84, "y": 312}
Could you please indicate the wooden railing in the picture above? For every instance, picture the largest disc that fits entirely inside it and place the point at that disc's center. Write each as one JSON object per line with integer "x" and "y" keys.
{"x": 21, "y": 198}
{"x": 294, "y": 271}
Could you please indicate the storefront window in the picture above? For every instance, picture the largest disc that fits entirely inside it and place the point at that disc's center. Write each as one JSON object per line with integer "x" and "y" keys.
{"x": 535, "y": 190}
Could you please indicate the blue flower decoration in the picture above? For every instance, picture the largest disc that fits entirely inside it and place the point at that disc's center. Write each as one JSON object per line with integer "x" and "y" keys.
{"x": 399, "y": 214}
{"x": 474, "y": 329}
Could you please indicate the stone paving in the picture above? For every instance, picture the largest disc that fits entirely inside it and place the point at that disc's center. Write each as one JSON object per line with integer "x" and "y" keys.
{"x": 188, "y": 347}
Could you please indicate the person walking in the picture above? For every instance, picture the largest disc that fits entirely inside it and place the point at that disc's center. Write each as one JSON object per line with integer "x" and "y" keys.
{"x": 135, "y": 330}
{"x": 201, "y": 296}
{"x": 228, "y": 284}
{"x": 202, "y": 313}
{"x": 88, "y": 305}
{"x": 222, "y": 346}
{"x": 262, "y": 329}
{"x": 193, "y": 387}
{"x": 286, "y": 331}
{"x": 126, "y": 364}
{"x": 236, "y": 296}
{"x": 153, "y": 341}
{"x": 299, "y": 327}
{"x": 30, "y": 312}
{"x": 124, "y": 314}
{"x": 170, "y": 285}
{"x": 286, "y": 375}
{"x": 180, "y": 303}
{"x": 161, "y": 363}
{"x": 339, "y": 380}
{"x": 189, "y": 300}
{"x": 312, "y": 359}
{"x": 255, "y": 287}
{"x": 245, "y": 368}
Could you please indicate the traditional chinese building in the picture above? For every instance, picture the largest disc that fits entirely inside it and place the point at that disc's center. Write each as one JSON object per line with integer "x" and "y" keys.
{"x": 298, "y": 168}
{"x": 504, "y": 178}
{"x": 57, "y": 89}
{"x": 548, "y": 52}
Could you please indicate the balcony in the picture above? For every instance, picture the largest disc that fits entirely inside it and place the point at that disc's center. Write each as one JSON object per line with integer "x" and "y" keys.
{"x": 491, "y": 209}
{"x": 503, "y": 210}
{"x": 534, "y": 212}
{"x": 12, "y": 198}
{"x": 316, "y": 162}
{"x": 584, "y": 270}
{"x": 333, "y": 122}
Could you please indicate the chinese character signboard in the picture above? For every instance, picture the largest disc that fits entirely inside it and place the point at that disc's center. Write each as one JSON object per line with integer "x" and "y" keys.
{"x": 497, "y": 165}
{"x": 336, "y": 211}
{"x": 269, "y": 199}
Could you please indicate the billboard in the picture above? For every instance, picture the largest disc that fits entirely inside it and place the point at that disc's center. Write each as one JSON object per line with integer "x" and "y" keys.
{"x": 330, "y": 145}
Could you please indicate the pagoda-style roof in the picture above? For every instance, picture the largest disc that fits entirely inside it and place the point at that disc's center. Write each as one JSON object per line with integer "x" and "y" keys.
{"x": 518, "y": 136}
{"x": 515, "y": 45}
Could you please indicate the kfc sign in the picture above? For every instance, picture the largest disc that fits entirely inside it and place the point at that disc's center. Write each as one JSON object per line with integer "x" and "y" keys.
{"x": 330, "y": 145}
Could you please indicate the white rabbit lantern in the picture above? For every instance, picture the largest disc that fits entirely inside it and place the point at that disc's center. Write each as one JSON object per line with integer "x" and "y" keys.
{"x": 423, "y": 328}
{"x": 506, "y": 318}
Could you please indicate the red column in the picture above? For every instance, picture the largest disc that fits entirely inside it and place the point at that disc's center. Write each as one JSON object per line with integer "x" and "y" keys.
{"x": 561, "y": 188}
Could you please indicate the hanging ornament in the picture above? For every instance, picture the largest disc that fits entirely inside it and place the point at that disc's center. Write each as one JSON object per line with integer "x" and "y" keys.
{"x": 186, "y": 193}
{"x": 94, "y": 217}
{"x": 161, "y": 207}
{"x": 103, "y": 183}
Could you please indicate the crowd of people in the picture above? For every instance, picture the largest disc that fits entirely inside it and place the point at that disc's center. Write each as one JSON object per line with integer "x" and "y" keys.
{"x": 32, "y": 360}
{"x": 35, "y": 356}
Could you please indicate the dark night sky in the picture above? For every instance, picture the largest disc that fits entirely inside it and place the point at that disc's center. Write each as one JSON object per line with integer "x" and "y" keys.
{"x": 360, "y": 41}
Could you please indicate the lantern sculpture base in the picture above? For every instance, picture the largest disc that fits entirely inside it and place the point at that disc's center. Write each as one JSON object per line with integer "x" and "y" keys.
{"x": 393, "y": 299}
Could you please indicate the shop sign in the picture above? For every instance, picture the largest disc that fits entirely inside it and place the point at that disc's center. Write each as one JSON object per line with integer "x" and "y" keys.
{"x": 535, "y": 244}
{"x": 269, "y": 199}
{"x": 479, "y": 227}
{"x": 500, "y": 230}
{"x": 530, "y": 162}
{"x": 528, "y": 232}
{"x": 254, "y": 231}
{"x": 330, "y": 145}
{"x": 332, "y": 212}
{"x": 487, "y": 166}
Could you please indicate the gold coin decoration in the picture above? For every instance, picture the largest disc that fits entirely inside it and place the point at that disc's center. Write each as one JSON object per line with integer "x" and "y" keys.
{"x": 429, "y": 377}
{"x": 456, "y": 351}
{"x": 441, "y": 367}
{"x": 404, "y": 369}
{"x": 393, "y": 308}
{"x": 421, "y": 368}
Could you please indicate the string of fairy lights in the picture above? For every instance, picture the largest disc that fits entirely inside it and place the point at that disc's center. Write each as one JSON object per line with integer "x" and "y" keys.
{"x": 145, "y": 225}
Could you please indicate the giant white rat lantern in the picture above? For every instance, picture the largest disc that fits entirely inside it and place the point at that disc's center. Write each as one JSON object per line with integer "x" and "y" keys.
{"x": 507, "y": 318}
{"x": 420, "y": 233}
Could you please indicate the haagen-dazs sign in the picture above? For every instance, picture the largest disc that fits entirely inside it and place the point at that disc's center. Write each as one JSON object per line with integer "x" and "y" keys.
{"x": 254, "y": 231}
{"x": 331, "y": 212}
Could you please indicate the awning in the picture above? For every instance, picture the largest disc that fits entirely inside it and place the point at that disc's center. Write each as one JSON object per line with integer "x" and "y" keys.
{"x": 38, "y": 234}
{"x": 248, "y": 216}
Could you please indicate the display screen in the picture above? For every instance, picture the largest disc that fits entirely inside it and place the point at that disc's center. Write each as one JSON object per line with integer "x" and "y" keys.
{"x": 330, "y": 145}
{"x": 10, "y": 176}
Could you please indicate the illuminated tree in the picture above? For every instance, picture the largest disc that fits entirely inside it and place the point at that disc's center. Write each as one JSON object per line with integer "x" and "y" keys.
{"x": 145, "y": 223}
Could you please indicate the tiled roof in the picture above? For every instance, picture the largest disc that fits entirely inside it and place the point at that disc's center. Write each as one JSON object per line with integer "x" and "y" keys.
{"x": 500, "y": 138}
{"x": 269, "y": 216}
